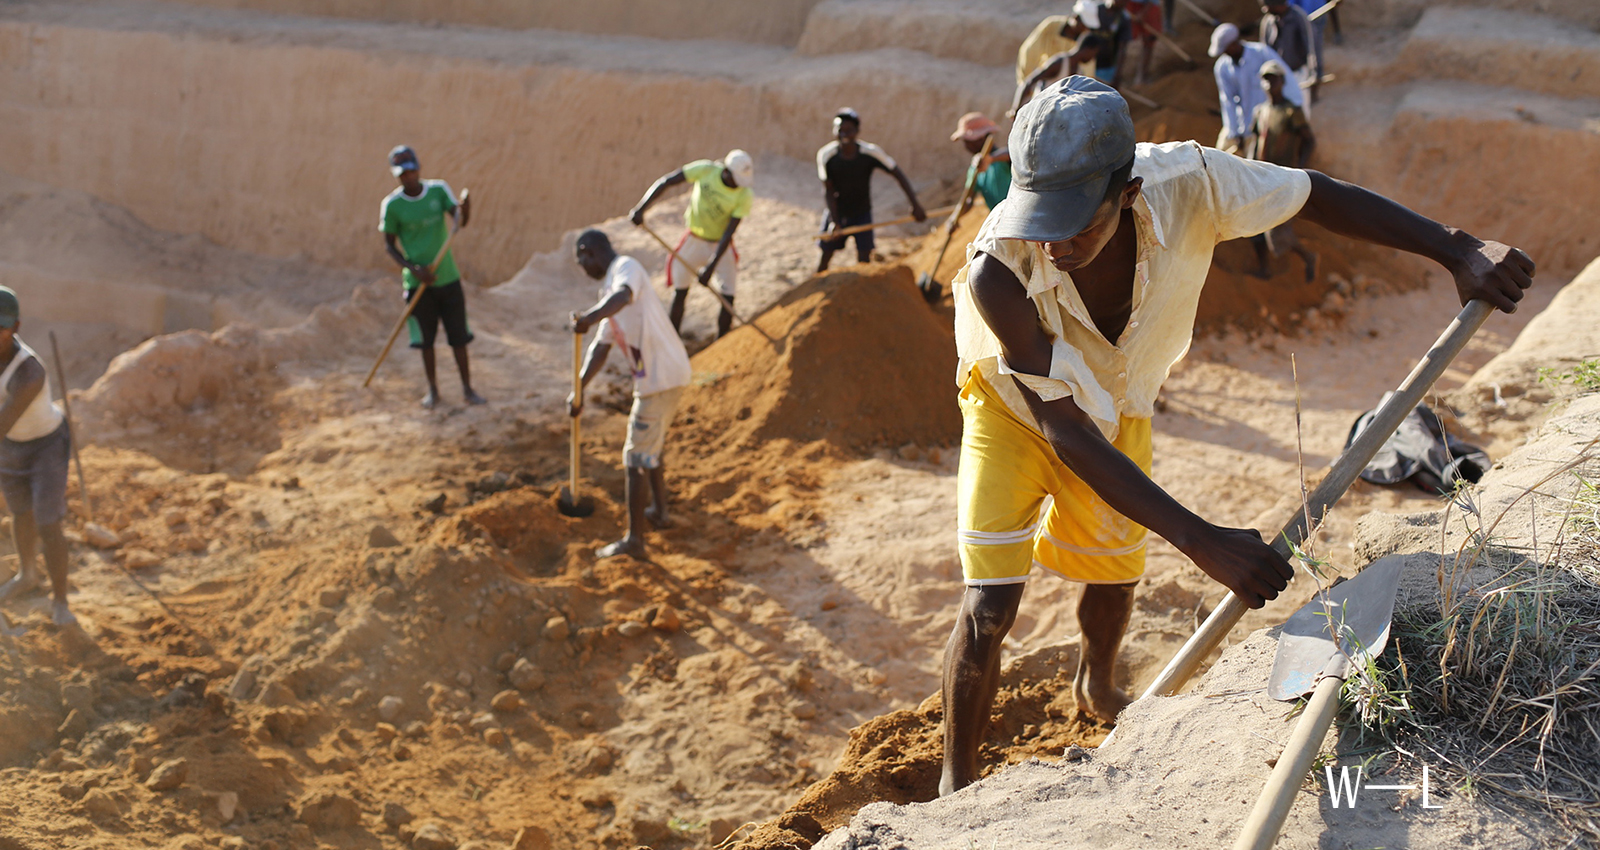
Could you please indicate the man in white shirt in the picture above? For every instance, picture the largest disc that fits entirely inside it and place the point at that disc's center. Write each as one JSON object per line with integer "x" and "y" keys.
{"x": 633, "y": 320}
{"x": 1078, "y": 296}
{"x": 1238, "y": 73}
{"x": 33, "y": 464}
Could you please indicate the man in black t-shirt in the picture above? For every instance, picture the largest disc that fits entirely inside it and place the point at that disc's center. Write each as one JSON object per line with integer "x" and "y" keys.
{"x": 845, "y": 167}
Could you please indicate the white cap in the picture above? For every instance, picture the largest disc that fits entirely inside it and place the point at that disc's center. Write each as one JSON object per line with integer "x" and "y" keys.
{"x": 1087, "y": 11}
{"x": 1273, "y": 66}
{"x": 1221, "y": 37}
{"x": 742, "y": 166}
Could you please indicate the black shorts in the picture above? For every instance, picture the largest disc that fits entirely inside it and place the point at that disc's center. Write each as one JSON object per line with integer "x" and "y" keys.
{"x": 864, "y": 240}
{"x": 446, "y": 304}
{"x": 33, "y": 475}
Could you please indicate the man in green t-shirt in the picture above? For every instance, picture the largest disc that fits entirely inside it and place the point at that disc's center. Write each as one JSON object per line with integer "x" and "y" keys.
{"x": 414, "y": 229}
{"x": 721, "y": 199}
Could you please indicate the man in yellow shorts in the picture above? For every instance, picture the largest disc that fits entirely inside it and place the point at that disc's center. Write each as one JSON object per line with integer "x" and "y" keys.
{"x": 1078, "y": 296}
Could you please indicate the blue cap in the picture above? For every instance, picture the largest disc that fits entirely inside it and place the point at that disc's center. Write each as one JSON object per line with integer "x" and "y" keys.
{"x": 1065, "y": 144}
{"x": 402, "y": 159}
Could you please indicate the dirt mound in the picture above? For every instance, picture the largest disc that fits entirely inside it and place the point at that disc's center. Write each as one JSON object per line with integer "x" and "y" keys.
{"x": 858, "y": 360}
{"x": 896, "y": 758}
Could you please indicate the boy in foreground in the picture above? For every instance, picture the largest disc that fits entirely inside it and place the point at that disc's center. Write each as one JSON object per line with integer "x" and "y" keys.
{"x": 1078, "y": 296}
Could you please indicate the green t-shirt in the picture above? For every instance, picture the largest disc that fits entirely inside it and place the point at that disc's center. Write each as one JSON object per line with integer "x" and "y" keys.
{"x": 421, "y": 225}
{"x": 994, "y": 182}
{"x": 713, "y": 203}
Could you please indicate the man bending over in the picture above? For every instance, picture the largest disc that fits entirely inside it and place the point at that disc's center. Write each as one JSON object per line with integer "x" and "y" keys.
{"x": 1078, "y": 296}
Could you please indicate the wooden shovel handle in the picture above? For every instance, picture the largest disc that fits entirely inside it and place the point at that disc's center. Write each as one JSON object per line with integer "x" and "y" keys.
{"x": 1261, "y": 828}
{"x": 1340, "y": 476}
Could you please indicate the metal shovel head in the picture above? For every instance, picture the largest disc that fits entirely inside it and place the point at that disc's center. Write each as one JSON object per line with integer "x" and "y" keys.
{"x": 1351, "y": 617}
{"x": 569, "y": 505}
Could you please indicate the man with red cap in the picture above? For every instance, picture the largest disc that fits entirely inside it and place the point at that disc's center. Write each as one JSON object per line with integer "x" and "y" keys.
{"x": 1078, "y": 296}
{"x": 991, "y": 173}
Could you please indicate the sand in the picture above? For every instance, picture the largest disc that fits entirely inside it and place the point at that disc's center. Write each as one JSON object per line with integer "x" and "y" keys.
{"x": 811, "y": 578}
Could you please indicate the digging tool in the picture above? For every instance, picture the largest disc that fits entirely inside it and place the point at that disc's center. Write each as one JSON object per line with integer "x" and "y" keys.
{"x": 1325, "y": 9}
{"x": 568, "y": 502}
{"x": 714, "y": 291}
{"x": 1134, "y": 96}
{"x": 1171, "y": 42}
{"x": 66, "y": 410}
{"x": 1344, "y": 627}
{"x": 863, "y": 228}
{"x": 1204, "y": 15}
{"x": 416, "y": 296}
{"x": 1340, "y": 476}
{"x": 930, "y": 287}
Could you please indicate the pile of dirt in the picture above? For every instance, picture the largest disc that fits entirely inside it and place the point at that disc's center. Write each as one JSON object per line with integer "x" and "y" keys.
{"x": 897, "y": 757}
{"x": 855, "y": 358}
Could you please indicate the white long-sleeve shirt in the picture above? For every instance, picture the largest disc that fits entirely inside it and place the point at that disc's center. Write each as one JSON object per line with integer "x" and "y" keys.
{"x": 1239, "y": 86}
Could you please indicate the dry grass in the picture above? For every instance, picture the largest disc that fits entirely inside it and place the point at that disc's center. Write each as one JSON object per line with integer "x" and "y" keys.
{"x": 1502, "y": 678}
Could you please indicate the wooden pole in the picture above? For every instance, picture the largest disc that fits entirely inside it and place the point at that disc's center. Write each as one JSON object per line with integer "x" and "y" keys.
{"x": 1343, "y": 473}
{"x": 863, "y": 228}
{"x": 720, "y": 297}
{"x": 66, "y": 411}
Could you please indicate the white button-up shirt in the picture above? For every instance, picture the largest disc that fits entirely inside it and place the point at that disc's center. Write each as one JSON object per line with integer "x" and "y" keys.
{"x": 1192, "y": 198}
{"x": 1239, "y": 86}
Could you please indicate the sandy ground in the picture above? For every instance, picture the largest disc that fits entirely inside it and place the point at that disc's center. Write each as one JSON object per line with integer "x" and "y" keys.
{"x": 480, "y": 671}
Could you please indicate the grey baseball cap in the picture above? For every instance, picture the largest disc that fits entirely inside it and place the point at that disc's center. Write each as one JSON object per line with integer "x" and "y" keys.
{"x": 1064, "y": 146}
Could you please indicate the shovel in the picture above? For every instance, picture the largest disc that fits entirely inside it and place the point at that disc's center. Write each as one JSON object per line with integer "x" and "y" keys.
{"x": 930, "y": 287}
{"x": 1339, "y": 478}
{"x": 714, "y": 291}
{"x": 1345, "y": 626}
{"x": 568, "y": 502}
{"x": 863, "y": 228}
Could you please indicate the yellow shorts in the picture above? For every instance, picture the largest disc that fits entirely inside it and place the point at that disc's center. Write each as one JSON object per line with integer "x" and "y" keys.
{"x": 1020, "y": 507}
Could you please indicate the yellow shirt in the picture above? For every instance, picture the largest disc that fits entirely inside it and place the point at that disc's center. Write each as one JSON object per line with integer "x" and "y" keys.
{"x": 713, "y": 203}
{"x": 1192, "y": 198}
{"x": 1044, "y": 42}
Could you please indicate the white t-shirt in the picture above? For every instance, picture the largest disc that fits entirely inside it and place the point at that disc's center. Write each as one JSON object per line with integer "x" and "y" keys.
{"x": 643, "y": 331}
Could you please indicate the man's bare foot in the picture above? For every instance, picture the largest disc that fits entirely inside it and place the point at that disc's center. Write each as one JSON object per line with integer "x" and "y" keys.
{"x": 474, "y": 398}
{"x": 1103, "y": 703}
{"x": 659, "y": 519}
{"x": 20, "y": 584}
{"x": 625, "y": 546}
{"x": 62, "y": 616}
{"x": 431, "y": 400}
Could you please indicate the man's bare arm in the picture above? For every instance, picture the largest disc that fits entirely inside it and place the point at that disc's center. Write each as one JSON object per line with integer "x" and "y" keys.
{"x": 1235, "y": 557}
{"x": 26, "y": 384}
{"x": 1492, "y": 271}
{"x": 636, "y": 215}
{"x": 722, "y": 248}
{"x": 911, "y": 194}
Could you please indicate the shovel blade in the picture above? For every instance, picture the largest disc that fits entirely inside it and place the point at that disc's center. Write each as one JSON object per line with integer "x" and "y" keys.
{"x": 1350, "y": 618}
{"x": 570, "y": 505}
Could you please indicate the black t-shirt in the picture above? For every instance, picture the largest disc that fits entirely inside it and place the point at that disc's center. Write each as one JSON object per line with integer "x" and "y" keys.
{"x": 852, "y": 177}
